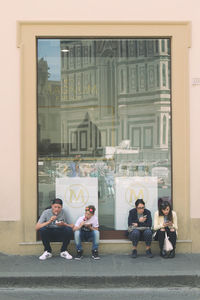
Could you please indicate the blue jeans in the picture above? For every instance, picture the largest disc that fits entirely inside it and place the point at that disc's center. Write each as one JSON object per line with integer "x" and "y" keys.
{"x": 61, "y": 234}
{"x": 137, "y": 235}
{"x": 86, "y": 236}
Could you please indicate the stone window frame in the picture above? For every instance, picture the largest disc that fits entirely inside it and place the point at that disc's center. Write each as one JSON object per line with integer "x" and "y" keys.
{"x": 178, "y": 32}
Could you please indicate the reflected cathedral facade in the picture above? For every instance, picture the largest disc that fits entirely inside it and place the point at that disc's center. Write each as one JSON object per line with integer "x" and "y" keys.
{"x": 110, "y": 112}
{"x": 124, "y": 86}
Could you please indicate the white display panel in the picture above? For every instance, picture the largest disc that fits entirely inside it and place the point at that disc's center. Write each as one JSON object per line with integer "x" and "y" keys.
{"x": 76, "y": 194}
{"x": 128, "y": 190}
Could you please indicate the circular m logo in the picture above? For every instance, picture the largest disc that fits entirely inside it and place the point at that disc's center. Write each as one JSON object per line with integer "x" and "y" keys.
{"x": 136, "y": 191}
{"x": 76, "y": 195}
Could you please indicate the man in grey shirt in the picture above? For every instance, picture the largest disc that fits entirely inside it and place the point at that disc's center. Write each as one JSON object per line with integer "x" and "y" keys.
{"x": 53, "y": 226}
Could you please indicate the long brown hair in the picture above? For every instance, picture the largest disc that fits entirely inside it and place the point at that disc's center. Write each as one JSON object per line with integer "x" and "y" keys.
{"x": 164, "y": 205}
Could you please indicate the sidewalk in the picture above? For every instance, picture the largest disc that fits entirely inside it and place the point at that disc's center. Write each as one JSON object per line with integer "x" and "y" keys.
{"x": 109, "y": 271}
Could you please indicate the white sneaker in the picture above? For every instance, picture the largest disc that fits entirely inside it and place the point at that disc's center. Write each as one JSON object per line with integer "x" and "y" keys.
{"x": 66, "y": 255}
{"x": 45, "y": 255}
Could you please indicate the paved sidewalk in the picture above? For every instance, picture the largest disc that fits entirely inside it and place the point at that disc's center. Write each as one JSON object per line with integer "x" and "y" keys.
{"x": 109, "y": 271}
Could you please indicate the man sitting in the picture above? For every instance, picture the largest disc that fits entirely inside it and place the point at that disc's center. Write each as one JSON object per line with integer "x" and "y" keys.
{"x": 53, "y": 227}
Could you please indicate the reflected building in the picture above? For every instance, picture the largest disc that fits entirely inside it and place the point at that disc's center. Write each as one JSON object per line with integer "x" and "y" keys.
{"x": 109, "y": 113}
{"x": 49, "y": 94}
{"x": 124, "y": 87}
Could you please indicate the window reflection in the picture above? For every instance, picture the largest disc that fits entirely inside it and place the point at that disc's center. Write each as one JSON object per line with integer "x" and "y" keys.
{"x": 104, "y": 109}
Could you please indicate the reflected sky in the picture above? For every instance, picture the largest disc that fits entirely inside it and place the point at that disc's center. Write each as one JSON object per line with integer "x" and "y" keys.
{"x": 49, "y": 49}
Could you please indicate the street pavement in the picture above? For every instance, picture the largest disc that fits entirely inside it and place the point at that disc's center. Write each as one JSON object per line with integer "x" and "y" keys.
{"x": 111, "y": 271}
{"x": 100, "y": 294}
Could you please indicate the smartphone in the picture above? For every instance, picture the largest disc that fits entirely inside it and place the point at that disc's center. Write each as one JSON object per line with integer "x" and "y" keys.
{"x": 145, "y": 216}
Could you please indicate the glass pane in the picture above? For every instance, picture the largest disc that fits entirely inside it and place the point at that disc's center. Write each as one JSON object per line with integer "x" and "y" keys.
{"x": 104, "y": 122}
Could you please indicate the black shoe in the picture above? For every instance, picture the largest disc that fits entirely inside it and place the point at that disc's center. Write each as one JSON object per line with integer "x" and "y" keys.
{"x": 148, "y": 253}
{"x": 95, "y": 254}
{"x": 163, "y": 253}
{"x": 79, "y": 255}
{"x": 134, "y": 253}
{"x": 171, "y": 254}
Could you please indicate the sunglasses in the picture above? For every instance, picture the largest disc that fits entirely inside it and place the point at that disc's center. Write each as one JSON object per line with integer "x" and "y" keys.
{"x": 140, "y": 207}
{"x": 89, "y": 209}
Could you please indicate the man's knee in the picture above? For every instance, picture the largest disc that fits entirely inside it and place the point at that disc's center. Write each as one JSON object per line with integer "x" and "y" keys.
{"x": 44, "y": 232}
{"x": 67, "y": 231}
{"x": 43, "y": 229}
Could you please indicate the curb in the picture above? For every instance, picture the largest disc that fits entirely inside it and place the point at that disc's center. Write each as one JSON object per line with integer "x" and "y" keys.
{"x": 91, "y": 282}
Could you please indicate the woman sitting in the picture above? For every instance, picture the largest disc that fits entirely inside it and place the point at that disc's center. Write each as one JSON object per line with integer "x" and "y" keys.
{"x": 140, "y": 220}
{"x": 165, "y": 220}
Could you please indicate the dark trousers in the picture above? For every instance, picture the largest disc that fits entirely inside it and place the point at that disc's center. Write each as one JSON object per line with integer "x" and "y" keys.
{"x": 61, "y": 234}
{"x": 141, "y": 235}
{"x": 161, "y": 237}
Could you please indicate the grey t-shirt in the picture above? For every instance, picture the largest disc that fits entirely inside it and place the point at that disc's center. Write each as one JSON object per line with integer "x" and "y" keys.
{"x": 139, "y": 216}
{"x": 47, "y": 214}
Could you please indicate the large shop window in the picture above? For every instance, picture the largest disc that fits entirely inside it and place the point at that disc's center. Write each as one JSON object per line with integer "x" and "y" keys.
{"x": 104, "y": 126}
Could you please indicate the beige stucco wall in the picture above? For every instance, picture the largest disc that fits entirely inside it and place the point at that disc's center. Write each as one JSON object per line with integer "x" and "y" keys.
{"x": 149, "y": 10}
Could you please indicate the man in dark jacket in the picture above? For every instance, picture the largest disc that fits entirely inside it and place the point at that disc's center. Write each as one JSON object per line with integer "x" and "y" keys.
{"x": 140, "y": 220}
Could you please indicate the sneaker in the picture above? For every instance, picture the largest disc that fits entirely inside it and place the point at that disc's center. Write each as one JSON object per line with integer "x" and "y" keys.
{"x": 95, "y": 254}
{"x": 66, "y": 255}
{"x": 148, "y": 253}
{"x": 134, "y": 253}
{"x": 79, "y": 255}
{"x": 45, "y": 255}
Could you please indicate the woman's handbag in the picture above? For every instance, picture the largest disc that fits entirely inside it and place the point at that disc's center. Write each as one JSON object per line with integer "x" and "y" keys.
{"x": 167, "y": 244}
{"x": 131, "y": 228}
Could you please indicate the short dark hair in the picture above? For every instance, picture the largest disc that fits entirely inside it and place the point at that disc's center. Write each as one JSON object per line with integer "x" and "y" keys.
{"x": 139, "y": 201}
{"x": 57, "y": 201}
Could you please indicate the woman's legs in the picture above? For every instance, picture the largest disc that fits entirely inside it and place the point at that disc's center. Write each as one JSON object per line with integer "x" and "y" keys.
{"x": 147, "y": 234}
{"x": 135, "y": 237}
{"x": 95, "y": 240}
{"x": 161, "y": 238}
{"x": 77, "y": 239}
{"x": 93, "y": 236}
{"x": 172, "y": 238}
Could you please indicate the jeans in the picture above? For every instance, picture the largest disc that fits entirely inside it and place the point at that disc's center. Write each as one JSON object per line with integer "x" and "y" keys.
{"x": 86, "y": 236}
{"x": 138, "y": 235}
{"x": 59, "y": 234}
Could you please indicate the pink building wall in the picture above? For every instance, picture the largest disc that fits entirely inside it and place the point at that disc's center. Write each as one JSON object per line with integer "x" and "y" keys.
{"x": 78, "y": 10}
